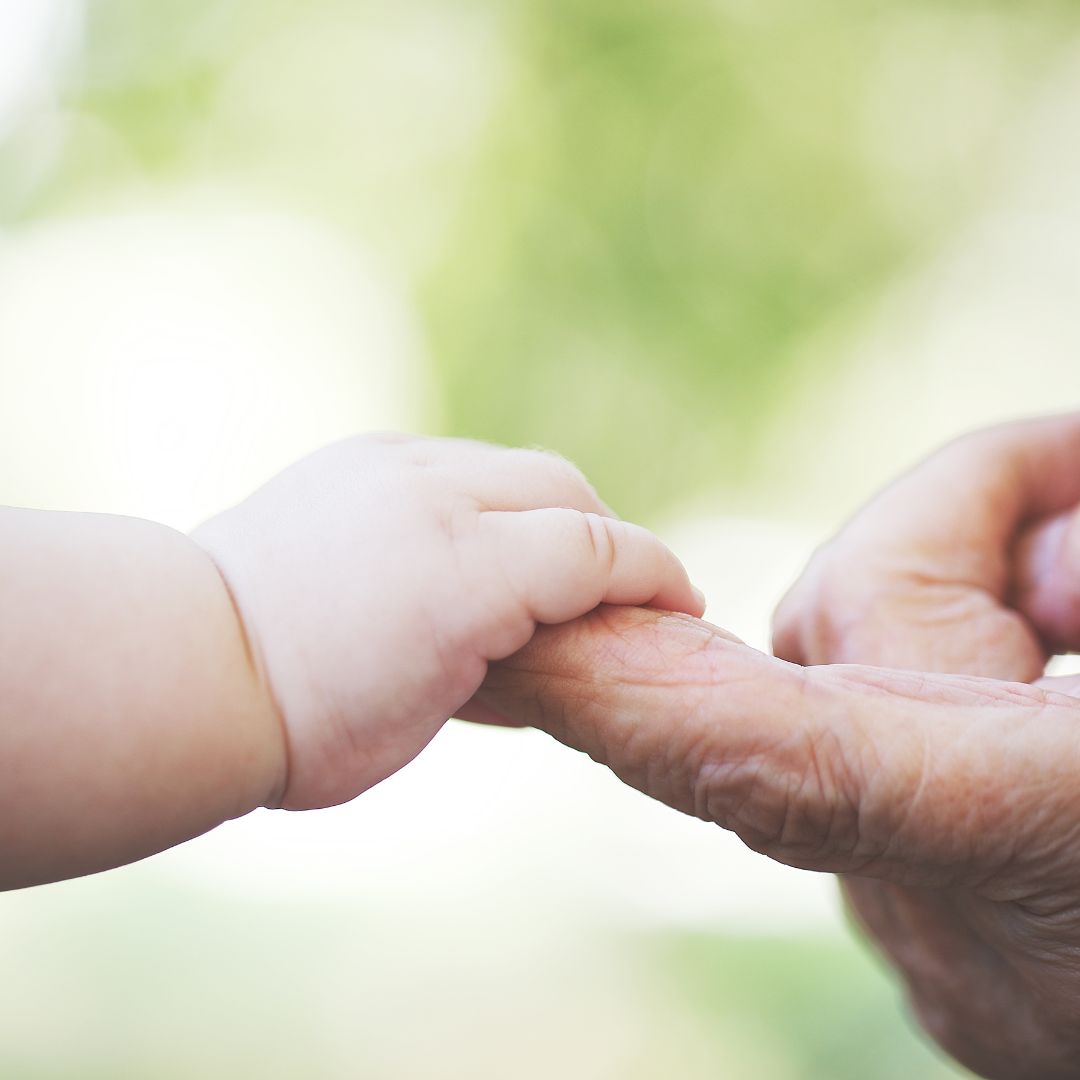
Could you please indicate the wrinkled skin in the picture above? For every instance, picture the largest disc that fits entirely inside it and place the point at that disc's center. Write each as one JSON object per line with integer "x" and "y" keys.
{"x": 949, "y": 800}
{"x": 971, "y": 563}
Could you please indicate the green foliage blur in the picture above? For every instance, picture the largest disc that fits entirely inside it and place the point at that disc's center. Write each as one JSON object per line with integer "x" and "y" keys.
{"x": 622, "y": 221}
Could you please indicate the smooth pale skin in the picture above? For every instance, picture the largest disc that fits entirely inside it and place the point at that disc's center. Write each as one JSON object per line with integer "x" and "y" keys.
{"x": 294, "y": 651}
{"x": 950, "y": 802}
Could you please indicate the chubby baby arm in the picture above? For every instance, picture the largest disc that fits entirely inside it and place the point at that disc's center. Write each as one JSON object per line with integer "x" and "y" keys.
{"x": 130, "y": 715}
{"x": 295, "y": 651}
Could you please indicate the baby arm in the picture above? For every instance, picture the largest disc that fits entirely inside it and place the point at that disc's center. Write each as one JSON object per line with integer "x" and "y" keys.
{"x": 295, "y": 651}
{"x": 130, "y": 715}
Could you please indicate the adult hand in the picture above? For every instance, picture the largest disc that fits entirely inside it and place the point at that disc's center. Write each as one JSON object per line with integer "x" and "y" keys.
{"x": 971, "y": 563}
{"x": 951, "y": 802}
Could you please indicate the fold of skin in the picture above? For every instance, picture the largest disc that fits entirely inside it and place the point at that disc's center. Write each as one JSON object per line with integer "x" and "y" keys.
{"x": 950, "y": 803}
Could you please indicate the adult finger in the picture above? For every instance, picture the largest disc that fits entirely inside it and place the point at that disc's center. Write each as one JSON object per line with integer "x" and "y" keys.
{"x": 1046, "y": 587}
{"x": 924, "y": 780}
{"x": 561, "y": 564}
{"x": 1021, "y": 471}
{"x": 919, "y": 578}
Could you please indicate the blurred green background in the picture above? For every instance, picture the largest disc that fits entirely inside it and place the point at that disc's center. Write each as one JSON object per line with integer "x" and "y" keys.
{"x": 619, "y": 222}
{"x": 739, "y": 259}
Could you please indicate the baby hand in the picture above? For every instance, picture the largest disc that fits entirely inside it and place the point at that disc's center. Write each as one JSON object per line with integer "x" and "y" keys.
{"x": 378, "y": 577}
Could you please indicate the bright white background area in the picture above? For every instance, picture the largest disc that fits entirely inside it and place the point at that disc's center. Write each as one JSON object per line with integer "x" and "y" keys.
{"x": 34, "y": 36}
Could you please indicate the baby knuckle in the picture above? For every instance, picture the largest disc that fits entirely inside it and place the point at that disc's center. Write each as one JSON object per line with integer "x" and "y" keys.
{"x": 598, "y": 540}
{"x": 384, "y": 438}
{"x": 558, "y": 468}
{"x": 564, "y": 467}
